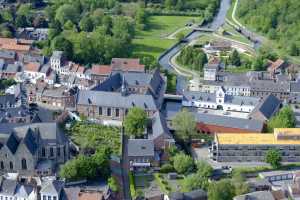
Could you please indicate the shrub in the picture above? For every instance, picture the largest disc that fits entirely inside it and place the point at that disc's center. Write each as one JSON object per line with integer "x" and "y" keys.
{"x": 166, "y": 168}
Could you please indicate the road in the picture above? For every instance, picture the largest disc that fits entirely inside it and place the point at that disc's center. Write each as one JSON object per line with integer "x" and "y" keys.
{"x": 164, "y": 59}
{"x": 125, "y": 169}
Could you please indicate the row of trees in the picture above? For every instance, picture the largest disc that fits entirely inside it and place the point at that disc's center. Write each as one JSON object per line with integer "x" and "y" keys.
{"x": 192, "y": 57}
{"x": 285, "y": 118}
{"x": 278, "y": 19}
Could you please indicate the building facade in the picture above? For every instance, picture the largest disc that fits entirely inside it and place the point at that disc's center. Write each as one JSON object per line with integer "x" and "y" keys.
{"x": 253, "y": 147}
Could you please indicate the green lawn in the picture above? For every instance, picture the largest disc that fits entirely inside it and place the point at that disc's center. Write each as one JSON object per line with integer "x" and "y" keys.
{"x": 152, "y": 41}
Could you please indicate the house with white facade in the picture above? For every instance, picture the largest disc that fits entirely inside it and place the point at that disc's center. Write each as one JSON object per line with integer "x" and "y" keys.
{"x": 219, "y": 100}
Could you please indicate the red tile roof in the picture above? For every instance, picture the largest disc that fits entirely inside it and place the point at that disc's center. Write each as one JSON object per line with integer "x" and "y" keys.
{"x": 277, "y": 64}
{"x": 90, "y": 196}
{"x": 33, "y": 67}
{"x": 101, "y": 69}
{"x": 15, "y": 45}
{"x": 127, "y": 64}
{"x": 81, "y": 69}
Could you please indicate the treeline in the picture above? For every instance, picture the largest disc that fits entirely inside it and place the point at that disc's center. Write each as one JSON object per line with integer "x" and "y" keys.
{"x": 278, "y": 19}
{"x": 204, "y": 8}
{"x": 193, "y": 58}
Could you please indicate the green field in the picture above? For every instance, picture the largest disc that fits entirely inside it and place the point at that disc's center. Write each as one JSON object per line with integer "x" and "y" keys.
{"x": 152, "y": 41}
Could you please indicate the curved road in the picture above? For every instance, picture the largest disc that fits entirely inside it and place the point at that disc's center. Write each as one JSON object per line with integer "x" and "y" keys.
{"x": 164, "y": 59}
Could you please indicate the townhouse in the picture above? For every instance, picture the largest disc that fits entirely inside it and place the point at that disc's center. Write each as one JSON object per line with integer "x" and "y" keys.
{"x": 252, "y": 147}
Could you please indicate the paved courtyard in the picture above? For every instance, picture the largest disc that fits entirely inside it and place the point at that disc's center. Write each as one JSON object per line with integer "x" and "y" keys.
{"x": 224, "y": 113}
{"x": 203, "y": 154}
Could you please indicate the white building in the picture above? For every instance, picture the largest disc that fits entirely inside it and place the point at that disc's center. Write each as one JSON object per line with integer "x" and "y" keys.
{"x": 219, "y": 100}
{"x": 56, "y": 61}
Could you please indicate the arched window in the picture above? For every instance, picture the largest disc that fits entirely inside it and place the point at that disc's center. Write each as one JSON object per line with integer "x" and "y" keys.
{"x": 11, "y": 165}
{"x": 2, "y": 165}
{"x": 24, "y": 164}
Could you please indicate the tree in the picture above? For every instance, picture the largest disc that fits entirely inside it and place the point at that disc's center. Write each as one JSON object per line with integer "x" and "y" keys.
{"x": 184, "y": 124}
{"x": 62, "y": 44}
{"x": 204, "y": 169}
{"x": 113, "y": 184}
{"x": 258, "y": 64}
{"x": 180, "y": 36}
{"x": 135, "y": 122}
{"x": 293, "y": 50}
{"x": 21, "y": 21}
{"x": 67, "y": 12}
{"x": 86, "y": 24}
{"x": 240, "y": 184}
{"x": 235, "y": 58}
{"x": 221, "y": 190}
{"x": 183, "y": 163}
{"x": 285, "y": 118}
{"x": 273, "y": 157}
{"x": 194, "y": 182}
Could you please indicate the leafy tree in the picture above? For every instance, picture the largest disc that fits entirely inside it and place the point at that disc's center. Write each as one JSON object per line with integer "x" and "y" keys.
{"x": 273, "y": 157}
{"x": 293, "y": 50}
{"x": 258, "y": 64}
{"x": 221, "y": 190}
{"x": 62, "y": 44}
{"x": 67, "y": 12}
{"x": 285, "y": 118}
{"x": 240, "y": 184}
{"x": 24, "y": 9}
{"x": 135, "y": 122}
{"x": 192, "y": 57}
{"x": 204, "y": 169}
{"x": 184, "y": 124}
{"x": 7, "y": 15}
{"x": 113, "y": 184}
{"x": 21, "y": 21}
{"x": 183, "y": 163}
{"x": 180, "y": 36}
{"x": 235, "y": 58}
{"x": 86, "y": 24}
{"x": 194, "y": 182}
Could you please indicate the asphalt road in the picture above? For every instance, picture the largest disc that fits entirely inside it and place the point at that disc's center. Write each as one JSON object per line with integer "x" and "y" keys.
{"x": 164, "y": 60}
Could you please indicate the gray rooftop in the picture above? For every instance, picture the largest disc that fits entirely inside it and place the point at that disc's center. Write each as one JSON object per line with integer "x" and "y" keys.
{"x": 140, "y": 147}
{"x": 230, "y": 122}
{"x": 260, "y": 195}
{"x": 116, "y": 100}
{"x": 268, "y": 106}
{"x": 159, "y": 127}
{"x": 6, "y": 54}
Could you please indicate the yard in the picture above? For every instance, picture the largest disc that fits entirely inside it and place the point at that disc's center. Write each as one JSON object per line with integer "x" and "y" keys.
{"x": 152, "y": 41}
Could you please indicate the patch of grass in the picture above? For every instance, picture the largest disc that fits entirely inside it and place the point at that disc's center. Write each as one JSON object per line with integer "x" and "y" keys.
{"x": 162, "y": 184}
{"x": 234, "y": 35}
{"x": 240, "y": 69}
{"x": 152, "y": 41}
{"x": 132, "y": 185}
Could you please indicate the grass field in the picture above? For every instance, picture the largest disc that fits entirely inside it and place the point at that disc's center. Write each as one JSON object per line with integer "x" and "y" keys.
{"x": 152, "y": 41}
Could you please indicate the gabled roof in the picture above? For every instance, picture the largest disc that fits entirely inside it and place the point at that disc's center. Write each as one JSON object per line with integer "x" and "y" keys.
{"x": 267, "y": 107}
{"x": 116, "y": 100}
{"x": 8, "y": 187}
{"x": 159, "y": 126}
{"x": 127, "y": 64}
{"x": 23, "y": 191}
{"x": 29, "y": 141}
{"x": 140, "y": 147}
{"x": 52, "y": 187}
{"x": 32, "y": 67}
{"x": 101, "y": 69}
{"x": 12, "y": 143}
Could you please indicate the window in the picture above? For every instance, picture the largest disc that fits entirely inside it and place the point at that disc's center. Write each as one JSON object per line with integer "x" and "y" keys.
{"x": 49, "y": 197}
{"x": 100, "y": 110}
{"x": 54, "y": 198}
{"x": 24, "y": 164}
{"x": 117, "y": 112}
{"x": 11, "y": 165}
{"x": 108, "y": 111}
{"x": 2, "y": 165}
{"x": 43, "y": 152}
{"x": 58, "y": 151}
{"x": 51, "y": 152}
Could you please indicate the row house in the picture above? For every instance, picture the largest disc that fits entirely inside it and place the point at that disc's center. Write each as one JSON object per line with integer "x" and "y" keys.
{"x": 253, "y": 147}
{"x": 10, "y": 71}
{"x": 20, "y": 46}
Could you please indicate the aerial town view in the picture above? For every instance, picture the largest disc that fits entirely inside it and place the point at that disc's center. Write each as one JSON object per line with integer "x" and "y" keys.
{"x": 149, "y": 100}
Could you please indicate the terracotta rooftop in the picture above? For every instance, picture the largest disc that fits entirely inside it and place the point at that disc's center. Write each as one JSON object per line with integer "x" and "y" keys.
{"x": 214, "y": 61}
{"x": 90, "y": 196}
{"x": 14, "y": 44}
{"x": 81, "y": 69}
{"x": 127, "y": 64}
{"x": 277, "y": 64}
{"x": 101, "y": 69}
{"x": 33, "y": 67}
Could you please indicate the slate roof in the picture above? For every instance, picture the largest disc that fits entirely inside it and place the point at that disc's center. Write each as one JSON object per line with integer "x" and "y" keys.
{"x": 8, "y": 187}
{"x": 6, "y": 54}
{"x": 23, "y": 191}
{"x": 267, "y": 107}
{"x": 7, "y": 99}
{"x": 116, "y": 100}
{"x": 11, "y": 68}
{"x": 211, "y": 97}
{"x": 230, "y": 122}
{"x": 295, "y": 87}
{"x": 140, "y": 147}
{"x": 195, "y": 195}
{"x": 52, "y": 187}
{"x": 159, "y": 127}
{"x": 260, "y": 195}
